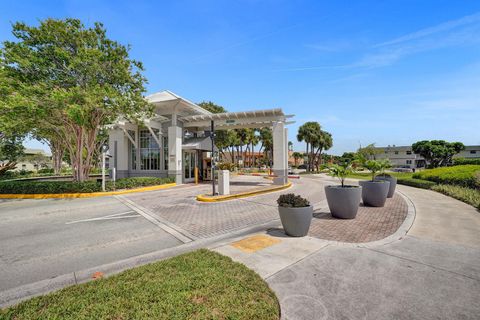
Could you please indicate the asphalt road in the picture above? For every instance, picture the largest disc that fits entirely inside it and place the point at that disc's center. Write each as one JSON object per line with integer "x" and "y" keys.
{"x": 40, "y": 239}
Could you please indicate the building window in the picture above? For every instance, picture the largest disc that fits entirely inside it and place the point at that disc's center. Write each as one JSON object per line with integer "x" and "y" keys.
{"x": 409, "y": 161}
{"x": 24, "y": 166}
{"x": 149, "y": 150}
{"x": 409, "y": 152}
{"x": 133, "y": 151}
{"x": 473, "y": 151}
{"x": 396, "y": 152}
{"x": 165, "y": 153}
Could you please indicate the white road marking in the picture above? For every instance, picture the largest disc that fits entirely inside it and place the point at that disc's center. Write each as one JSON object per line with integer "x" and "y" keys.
{"x": 166, "y": 226}
{"x": 122, "y": 215}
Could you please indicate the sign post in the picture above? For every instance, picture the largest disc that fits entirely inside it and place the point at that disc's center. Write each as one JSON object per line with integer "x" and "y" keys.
{"x": 212, "y": 137}
{"x": 104, "y": 156}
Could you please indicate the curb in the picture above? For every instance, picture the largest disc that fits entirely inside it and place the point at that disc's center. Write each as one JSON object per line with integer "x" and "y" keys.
{"x": 206, "y": 198}
{"x": 83, "y": 194}
{"x": 18, "y": 294}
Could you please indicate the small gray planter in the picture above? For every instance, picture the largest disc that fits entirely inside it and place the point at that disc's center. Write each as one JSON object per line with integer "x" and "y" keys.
{"x": 374, "y": 193}
{"x": 393, "y": 184}
{"x": 296, "y": 221}
{"x": 343, "y": 202}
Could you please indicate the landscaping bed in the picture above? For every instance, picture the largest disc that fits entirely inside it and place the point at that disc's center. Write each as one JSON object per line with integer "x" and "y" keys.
{"x": 57, "y": 187}
{"x": 197, "y": 285}
{"x": 463, "y": 175}
{"x": 461, "y": 182}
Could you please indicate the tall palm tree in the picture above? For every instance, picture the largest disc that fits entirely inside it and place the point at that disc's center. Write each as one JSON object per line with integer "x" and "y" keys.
{"x": 308, "y": 132}
{"x": 321, "y": 142}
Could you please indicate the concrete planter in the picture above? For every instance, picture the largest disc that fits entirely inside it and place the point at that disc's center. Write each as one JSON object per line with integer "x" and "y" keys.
{"x": 374, "y": 193}
{"x": 343, "y": 202}
{"x": 296, "y": 221}
{"x": 393, "y": 184}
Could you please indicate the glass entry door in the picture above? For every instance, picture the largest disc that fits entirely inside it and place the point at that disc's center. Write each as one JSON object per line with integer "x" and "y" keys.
{"x": 189, "y": 164}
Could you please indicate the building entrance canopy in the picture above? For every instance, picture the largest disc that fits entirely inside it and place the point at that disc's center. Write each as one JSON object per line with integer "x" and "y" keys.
{"x": 174, "y": 114}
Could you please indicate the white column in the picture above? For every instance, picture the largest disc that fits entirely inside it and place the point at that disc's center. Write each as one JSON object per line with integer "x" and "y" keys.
{"x": 280, "y": 153}
{"x": 175, "y": 153}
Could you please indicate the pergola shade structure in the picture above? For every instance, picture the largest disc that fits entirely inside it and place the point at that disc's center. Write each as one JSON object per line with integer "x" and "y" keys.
{"x": 174, "y": 115}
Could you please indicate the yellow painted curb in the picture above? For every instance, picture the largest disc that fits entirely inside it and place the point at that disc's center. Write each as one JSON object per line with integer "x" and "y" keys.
{"x": 207, "y": 198}
{"x": 83, "y": 195}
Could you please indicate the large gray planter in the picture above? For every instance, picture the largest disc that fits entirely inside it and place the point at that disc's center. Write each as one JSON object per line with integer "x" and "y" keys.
{"x": 374, "y": 193}
{"x": 393, "y": 184}
{"x": 343, "y": 202}
{"x": 296, "y": 221}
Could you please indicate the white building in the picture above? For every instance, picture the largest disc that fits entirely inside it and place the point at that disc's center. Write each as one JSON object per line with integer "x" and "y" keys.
{"x": 33, "y": 160}
{"x": 176, "y": 140}
{"x": 403, "y": 156}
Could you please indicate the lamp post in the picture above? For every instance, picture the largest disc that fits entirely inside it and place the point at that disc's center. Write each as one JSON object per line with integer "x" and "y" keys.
{"x": 104, "y": 156}
{"x": 212, "y": 137}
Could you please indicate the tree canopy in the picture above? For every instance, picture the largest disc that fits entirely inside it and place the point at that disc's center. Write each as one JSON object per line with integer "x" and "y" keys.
{"x": 437, "y": 152}
{"x": 70, "y": 81}
{"x": 316, "y": 140}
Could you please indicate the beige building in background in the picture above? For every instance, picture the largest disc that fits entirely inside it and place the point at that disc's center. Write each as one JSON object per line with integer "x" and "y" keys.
{"x": 403, "y": 156}
{"x": 33, "y": 160}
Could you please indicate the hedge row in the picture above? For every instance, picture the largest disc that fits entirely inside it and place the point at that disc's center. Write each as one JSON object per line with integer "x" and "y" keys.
{"x": 45, "y": 187}
{"x": 463, "y": 161}
{"x": 418, "y": 183}
{"x": 465, "y": 175}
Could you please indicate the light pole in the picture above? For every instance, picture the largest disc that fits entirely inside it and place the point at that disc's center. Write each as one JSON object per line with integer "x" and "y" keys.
{"x": 212, "y": 137}
{"x": 104, "y": 156}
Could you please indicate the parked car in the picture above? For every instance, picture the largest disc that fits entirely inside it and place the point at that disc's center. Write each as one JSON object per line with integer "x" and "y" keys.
{"x": 402, "y": 169}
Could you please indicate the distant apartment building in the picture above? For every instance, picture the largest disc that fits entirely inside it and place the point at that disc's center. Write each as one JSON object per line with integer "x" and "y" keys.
{"x": 33, "y": 160}
{"x": 403, "y": 156}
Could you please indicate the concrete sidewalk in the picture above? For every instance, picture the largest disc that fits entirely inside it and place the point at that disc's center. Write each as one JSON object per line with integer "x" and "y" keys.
{"x": 432, "y": 272}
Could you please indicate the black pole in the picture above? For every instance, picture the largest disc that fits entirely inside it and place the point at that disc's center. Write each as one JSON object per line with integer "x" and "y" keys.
{"x": 212, "y": 136}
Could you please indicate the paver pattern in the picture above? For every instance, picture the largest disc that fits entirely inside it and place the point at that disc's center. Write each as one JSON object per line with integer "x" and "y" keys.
{"x": 205, "y": 220}
{"x": 370, "y": 224}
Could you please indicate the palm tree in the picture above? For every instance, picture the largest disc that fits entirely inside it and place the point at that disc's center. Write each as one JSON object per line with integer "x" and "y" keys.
{"x": 266, "y": 139}
{"x": 296, "y": 155}
{"x": 309, "y": 132}
{"x": 321, "y": 142}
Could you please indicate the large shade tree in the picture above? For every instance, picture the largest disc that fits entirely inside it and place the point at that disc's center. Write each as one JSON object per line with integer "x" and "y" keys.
{"x": 73, "y": 81}
{"x": 437, "y": 152}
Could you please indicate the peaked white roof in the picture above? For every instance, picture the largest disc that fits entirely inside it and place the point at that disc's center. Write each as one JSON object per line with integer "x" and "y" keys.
{"x": 168, "y": 98}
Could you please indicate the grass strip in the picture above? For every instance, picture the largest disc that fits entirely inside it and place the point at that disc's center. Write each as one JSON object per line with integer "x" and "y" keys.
{"x": 197, "y": 285}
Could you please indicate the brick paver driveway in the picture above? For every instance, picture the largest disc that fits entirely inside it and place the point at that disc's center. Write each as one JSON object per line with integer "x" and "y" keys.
{"x": 202, "y": 220}
{"x": 370, "y": 224}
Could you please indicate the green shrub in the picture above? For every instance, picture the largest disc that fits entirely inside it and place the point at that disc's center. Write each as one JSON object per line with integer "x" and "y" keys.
{"x": 463, "y": 161}
{"x": 49, "y": 187}
{"x": 464, "y": 175}
{"x": 292, "y": 201}
{"x": 467, "y": 195}
{"x": 34, "y": 187}
{"x": 417, "y": 183}
{"x": 136, "y": 182}
{"x": 45, "y": 171}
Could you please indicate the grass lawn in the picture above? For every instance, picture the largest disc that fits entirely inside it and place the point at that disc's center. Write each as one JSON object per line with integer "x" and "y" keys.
{"x": 197, "y": 285}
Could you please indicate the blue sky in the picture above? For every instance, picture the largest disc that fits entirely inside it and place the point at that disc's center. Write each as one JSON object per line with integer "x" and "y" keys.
{"x": 389, "y": 72}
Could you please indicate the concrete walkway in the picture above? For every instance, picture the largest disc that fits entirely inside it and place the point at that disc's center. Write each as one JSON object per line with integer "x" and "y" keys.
{"x": 432, "y": 272}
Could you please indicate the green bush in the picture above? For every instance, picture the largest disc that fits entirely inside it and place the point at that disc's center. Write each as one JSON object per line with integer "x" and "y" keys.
{"x": 417, "y": 183}
{"x": 463, "y": 161}
{"x": 136, "y": 182}
{"x": 45, "y": 171}
{"x": 291, "y": 200}
{"x": 467, "y": 195}
{"x": 35, "y": 187}
{"x": 464, "y": 175}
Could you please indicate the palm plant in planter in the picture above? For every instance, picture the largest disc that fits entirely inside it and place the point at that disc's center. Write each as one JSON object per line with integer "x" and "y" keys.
{"x": 384, "y": 165}
{"x": 374, "y": 192}
{"x": 295, "y": 213}
{"x": 342, "y": 200}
